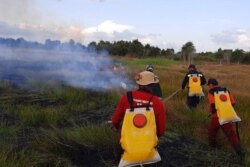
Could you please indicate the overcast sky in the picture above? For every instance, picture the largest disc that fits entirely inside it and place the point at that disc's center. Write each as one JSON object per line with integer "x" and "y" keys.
{"x": 209, "y": 24}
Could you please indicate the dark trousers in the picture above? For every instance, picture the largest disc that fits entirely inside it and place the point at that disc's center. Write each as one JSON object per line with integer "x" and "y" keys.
{"x": 193, "y": 101}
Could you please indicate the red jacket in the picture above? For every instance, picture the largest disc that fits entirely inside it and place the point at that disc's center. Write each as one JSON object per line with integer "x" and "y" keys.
{"x": 141, "y": 97}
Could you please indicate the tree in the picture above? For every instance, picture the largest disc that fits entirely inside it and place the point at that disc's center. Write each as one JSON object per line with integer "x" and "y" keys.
{"x": 104, "y": 45}
{"x": 188, "y": 51}
{"x": 92, "y": 46}
{"x": 154, "y": 51}
{"x": 146, "y": 50}
{"x": 50, "y": 44}
{"x": 227, "y": 54}
{"x": 136, "y": 48}
{"x": 238, "y": 55}
{"x": 168, "y": 52}
{"x": 120, "y": 48}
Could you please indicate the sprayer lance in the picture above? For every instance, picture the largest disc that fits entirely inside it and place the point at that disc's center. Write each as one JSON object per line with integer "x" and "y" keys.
{"x": 170, "y": 96}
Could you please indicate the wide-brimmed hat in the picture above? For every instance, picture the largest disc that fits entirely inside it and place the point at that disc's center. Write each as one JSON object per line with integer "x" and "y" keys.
{"x": 146, "y": 78}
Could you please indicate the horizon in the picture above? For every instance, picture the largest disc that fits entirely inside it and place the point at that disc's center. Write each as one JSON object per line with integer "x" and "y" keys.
{"x": 68, "y": 47}
{"x": 210, "y": 25}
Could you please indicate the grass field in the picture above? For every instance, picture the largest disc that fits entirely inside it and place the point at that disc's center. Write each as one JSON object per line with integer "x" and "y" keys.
{"x": 63, "y": 126}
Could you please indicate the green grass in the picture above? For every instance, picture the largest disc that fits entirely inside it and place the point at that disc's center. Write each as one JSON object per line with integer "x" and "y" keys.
{"x": 93, "y": 136}
{"x": 8, "y": 136}
{"x": 81, "y": 142}
{"x": 12, "y": 158}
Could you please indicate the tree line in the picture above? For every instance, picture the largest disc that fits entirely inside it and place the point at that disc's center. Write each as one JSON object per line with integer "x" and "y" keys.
{"x": 188, "y": 54}
{"x": 134, "y": 49}
{"x": 118, "y": 48}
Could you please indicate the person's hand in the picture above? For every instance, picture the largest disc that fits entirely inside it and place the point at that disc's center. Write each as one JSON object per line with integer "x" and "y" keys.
{"x": 114, "y": 129}
{"x": 111, "y": 125}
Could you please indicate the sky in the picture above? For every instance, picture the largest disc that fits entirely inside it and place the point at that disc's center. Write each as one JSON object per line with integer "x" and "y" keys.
{"x": 209, "y": 24}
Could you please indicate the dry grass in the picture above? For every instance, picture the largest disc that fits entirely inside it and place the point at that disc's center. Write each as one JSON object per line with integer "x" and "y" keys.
{"x": 194, "y": 124}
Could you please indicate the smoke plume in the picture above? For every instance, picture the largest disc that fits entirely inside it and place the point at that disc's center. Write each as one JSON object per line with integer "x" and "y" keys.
{"x": 18, "y": 11}
{"x": 84, "y": 69}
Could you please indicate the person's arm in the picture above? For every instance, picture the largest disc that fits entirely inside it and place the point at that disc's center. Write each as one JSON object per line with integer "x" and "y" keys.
{"x": 160, "y": 117}
{"x": 231, "y": 99}
{"x": 203, "y": 80}
{"x": 158, "y": 91}
{"x": 211, "y": 103}
{"x": 184, "y": 82}
{"x": 119, "y": 113}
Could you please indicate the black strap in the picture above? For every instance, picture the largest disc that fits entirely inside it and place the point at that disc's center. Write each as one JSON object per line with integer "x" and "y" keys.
{"x": 130, "y": 100}
{"x": 148, "y": 105}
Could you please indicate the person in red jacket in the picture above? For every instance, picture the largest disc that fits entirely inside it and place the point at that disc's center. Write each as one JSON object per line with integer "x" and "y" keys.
{"x": 145, "y": 81}
{"x": 214, "y": 123}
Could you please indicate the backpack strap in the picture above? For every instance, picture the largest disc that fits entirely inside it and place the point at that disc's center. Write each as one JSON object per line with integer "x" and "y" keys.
{"x": 130, "y": 100}
{"x": 148, "y": 105}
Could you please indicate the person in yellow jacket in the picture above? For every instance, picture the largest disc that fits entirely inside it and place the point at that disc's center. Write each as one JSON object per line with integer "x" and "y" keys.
{"x": 221, "y": 104}
{"x": 142, "y": 117}
{"x": 194, "y": 80}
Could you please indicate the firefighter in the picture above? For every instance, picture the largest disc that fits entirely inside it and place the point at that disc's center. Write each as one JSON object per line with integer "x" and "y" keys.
{"x": 221, "y": 104}
{"x": 156, "y": 88}
{"x": 142, "y": 117}
{"x": 194, "y": 81}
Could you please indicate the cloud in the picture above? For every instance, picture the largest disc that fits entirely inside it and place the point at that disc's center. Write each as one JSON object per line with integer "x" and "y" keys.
{"x": 41, "y": 32}
{"x": 107, "y": 31}
{"x": 226, "y": 37}
{"x": 7, "y": 30}
{"x": 232, "y": 39}
{"x": 116, "y": 36}
{"x": 237, "y": 37}
{"x": 108, "y": 27}
{"x": 158, "y": 40}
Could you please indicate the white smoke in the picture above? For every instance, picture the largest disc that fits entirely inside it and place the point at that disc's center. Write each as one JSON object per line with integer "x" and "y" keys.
{"x": 84, "y": 69}
{"x": 18, "y": 11}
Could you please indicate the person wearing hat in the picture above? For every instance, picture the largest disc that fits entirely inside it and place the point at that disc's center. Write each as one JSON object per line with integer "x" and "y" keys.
{"x": 194, "y": 80}
{"x": 156, "y": 88}
{"x": 221, "y": 100}
{"x": 129, "y": 106}
{"x": 141, "y": 97}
